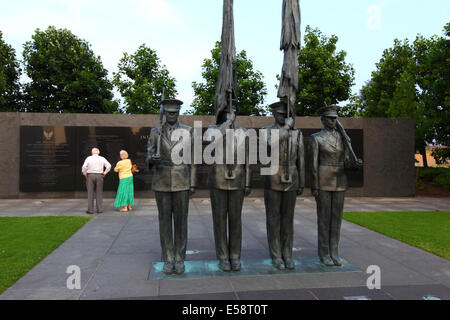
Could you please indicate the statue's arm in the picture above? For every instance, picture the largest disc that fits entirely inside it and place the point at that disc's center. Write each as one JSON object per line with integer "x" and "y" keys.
{"x": 314, "y": 162}
{"x": 248, "y": 172}
{"x": 193, "y": 176}
{"x": 224, "y": 126}
{"x": 301, "y": 160}
{"x": 151, "y": 146}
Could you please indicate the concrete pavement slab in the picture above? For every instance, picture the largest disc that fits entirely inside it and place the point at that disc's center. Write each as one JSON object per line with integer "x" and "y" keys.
{"x": 420, "y": 292}
{"x": 114, "y": 251}
{"x": 288, "y": 294}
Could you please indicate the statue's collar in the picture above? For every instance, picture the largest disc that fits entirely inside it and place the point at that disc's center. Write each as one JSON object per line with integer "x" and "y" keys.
{"x": 169, "y": 126}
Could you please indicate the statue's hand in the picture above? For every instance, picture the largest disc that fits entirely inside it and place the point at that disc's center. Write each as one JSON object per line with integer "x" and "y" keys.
{"x": 231, "y": 116}
{"x": 248, "y": 190}
{"x": 315, "y": 192}
{"x": 191, "y": 191}
{"x": 300, "y": 191}
{"x": 359, "y": 163}
{"x": 289, "y": 122}
{"x": 155, "y": 158}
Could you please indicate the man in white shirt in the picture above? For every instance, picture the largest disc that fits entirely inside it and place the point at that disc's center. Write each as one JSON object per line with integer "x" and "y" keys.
{"x": 95, "y": 168}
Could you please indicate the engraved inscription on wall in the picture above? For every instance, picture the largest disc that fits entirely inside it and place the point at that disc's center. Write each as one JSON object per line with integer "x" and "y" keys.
{"x": 51, "y": 156}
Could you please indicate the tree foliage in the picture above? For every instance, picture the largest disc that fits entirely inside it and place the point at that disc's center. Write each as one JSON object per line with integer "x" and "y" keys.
{"x": 10, "y": 93}
{"x": 141, "y": 79}
{"x": 378, "y": 93}
{"x": 433, "y": 79}
{"x": 353, "y": 107}
{"x": 324, "y": 76}
{"x": 412, "y": 80}
{"x": 250, "y": 86}
{"x": 65, "y": 75}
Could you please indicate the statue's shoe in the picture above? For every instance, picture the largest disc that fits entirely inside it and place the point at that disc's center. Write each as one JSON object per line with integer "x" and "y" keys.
{"x": 224, "y": 265}
{"x": 236, "y": 265}
{"x": 337, "y": 261}
{"x": 179, "y": 267}
{"x": 168, "y": 268}
{"x": 327, "y": 261}
{"x": 279, "y": 264}
{"x": 289, "y": 263}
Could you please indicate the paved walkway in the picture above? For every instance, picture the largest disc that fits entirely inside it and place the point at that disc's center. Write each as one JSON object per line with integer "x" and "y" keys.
{"x": 114, "y": 252}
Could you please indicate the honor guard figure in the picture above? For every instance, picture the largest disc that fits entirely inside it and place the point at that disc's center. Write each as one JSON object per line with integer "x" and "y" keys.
{"x": 228, "y": 185}
{"x": 172, "y": 184}
{"x": 330, "y": 151}
{"x": 281, "y": 189}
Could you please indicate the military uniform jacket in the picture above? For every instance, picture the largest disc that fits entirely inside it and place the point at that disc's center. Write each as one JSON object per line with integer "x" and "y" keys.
{"x": 328, "y": 155}
{"x": 296, "y": 162}
{"x": 167, "y": 176}
{"x": 242, "y": 173}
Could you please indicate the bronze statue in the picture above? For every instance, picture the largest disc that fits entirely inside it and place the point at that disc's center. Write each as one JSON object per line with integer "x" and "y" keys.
{"x": 280, "y": 191}
{"x": 228, "y": 183}
{"x": 172, "y": 184}
{"x": 331, "y": 153}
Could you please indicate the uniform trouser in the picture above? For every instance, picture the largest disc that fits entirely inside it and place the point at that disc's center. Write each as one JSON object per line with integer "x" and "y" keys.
{"x": 330, "y": 205}
{"x": 94, "y": 184}
{"x": 176, "y": 204}
{"x": 280, "y": 207}
{"x": 227, "y": 213}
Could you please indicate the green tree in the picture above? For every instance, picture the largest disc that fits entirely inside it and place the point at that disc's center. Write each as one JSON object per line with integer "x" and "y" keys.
{"x": 405, "y": 104}
{"x": 433, "y": 78}
{"x": 65, "y": 75}
{"x": 10, "y": 89}
{"x": 324, "y": 76}
{"x": 378, "y": 92}
{"x": 412, "y": 80}
{"x": 352, "y": 108}
{"x": 250, "y": 86}
{"x": 141, "y": 79}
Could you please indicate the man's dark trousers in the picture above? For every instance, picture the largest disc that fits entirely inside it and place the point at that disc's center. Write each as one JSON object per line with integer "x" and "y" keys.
{"x": 94, "y": 184}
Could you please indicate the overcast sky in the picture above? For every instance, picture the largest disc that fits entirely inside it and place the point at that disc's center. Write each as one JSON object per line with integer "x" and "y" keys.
{"x": 183, "y": 32}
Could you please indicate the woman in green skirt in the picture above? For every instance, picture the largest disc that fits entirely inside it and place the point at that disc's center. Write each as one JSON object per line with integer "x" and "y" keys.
{"x": 125, "y": 192}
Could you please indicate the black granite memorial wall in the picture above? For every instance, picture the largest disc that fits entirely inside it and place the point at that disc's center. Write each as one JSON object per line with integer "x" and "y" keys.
{"x": 51, "y": 156}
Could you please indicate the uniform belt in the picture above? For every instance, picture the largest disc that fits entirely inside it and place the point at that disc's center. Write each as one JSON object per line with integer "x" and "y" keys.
{"x": 331, "y": 164}
{"x": 168, "y": 163}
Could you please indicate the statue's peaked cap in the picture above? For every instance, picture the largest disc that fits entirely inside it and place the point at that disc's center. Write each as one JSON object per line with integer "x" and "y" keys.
{"x": 280, "y": 107}
{"x": 172, "y": 104}
{"x": 329, "y": 111}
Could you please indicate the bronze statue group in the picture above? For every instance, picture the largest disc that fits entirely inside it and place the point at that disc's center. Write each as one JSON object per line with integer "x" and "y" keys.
{"x": 330, "y": 151}
{"x": 229, "y": 184}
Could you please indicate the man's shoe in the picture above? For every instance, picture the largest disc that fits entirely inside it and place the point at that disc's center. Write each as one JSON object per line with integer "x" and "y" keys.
{"x": 278, "y": 263}
{"x": 224, "y": 265}
{"x": 99, "y": 212}
{"x": 337, "y": 261}
{"x": 236, "y": 265}
{"x": 179, "y": 267}
{"x": 289, "y": 263}
{"x": 168, "y": 268}
{"x": 89, "y": 212}
{"x": 327, "y": 261}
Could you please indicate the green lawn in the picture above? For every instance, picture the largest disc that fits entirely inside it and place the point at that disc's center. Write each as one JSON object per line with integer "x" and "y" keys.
{"x": 429, "y": 231}
{"x": 26, "y": 241}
